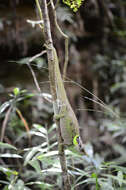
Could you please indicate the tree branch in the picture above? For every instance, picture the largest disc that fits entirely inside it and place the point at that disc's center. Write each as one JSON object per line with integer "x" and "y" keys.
{"x": 51, "y": 66}
{"x": 65, "y": 37}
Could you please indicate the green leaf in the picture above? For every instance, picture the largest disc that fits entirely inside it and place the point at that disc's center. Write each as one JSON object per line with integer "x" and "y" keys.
{"x": 6, "y": 145}
{"x": 17, "y": 185}
{"x": 40, "y": 128}
{"x": 120, "y": 178}
{"x": 4, "y": 106}
{"x": 22, "y": 61}
{"x": 35, "y": 164}
{"x": 29, "y": 95}
{"x": 94, "y": 175}
{"x": 41, "y": 184}
{"x": 114, "y": 178}
{"x": 37, "y": 134}
{"x": 8, "y": 155}
{"x": 7, "y": 171}
{"x": 52, "y": 170}
{"x": 48, "y": 154}
{"x": 74, "y": 4}
{"x": 29, "y": 156}
{"x": 4, "y": 182}
{"x": 16, "y": 91}
{"x": 53, "y": 127}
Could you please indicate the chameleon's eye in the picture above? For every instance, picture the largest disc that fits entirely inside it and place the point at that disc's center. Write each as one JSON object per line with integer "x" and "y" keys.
{"x": 76, "y": 140}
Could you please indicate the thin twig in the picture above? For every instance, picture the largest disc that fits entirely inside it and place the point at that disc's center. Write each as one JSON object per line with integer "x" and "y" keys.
{"x": 32, "y": 71}
{"x": 34, "y": 78}
{"x": 90, "y": 110}
{"x": 66, "y": 39}
{"x": 37, "y": 55}
{"x": 25, "y": 124}
{"x": 104, "y": 106}
{"x": 5, "y": 123}
{"x": 97, "y": 99}
{"x": 34, "y": 22}
{"x": 39, "y": 8}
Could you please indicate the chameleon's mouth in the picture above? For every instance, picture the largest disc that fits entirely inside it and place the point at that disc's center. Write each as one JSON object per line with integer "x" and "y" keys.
{"x": 78, "y": 140}
{"x": 80, "y": 145}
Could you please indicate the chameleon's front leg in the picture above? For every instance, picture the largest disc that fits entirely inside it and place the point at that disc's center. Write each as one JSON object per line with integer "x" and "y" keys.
{"x": 58, "y": 116}
{"x": 61, "y": 111}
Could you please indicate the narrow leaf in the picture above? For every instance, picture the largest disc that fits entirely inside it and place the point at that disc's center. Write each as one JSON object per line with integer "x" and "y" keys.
{"x": 8, "y": 171}
{"x": 120, "y": 178}
{"x": 6, "y": 145}
{"x": 8, "y": 155}
{"x": 40, "y": 128}
{"x": 48, "y": 154}
{"x": 16, "y": 91}
{"x": 4, "y": 106}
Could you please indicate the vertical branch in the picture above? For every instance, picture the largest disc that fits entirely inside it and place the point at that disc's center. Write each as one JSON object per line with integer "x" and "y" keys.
{"x": 51, "y": 66}
{"x": 66, "y": 40}
{"x": 39, "y": 9}
{"x": 66, "y": 58}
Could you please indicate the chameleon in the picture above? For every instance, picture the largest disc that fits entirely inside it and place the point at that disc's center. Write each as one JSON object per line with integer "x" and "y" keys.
{"x": 69, "y": 125}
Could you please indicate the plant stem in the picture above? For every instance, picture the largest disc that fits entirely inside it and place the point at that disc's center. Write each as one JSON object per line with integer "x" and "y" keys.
{"x": 4, "y": 124}
{"x": 65, "y": 37}
{"x": 51, "y": 66}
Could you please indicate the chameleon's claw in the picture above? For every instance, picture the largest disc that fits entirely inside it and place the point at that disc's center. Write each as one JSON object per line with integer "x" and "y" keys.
{"x": 47, "y": 46}
{"x": 58, "y": 116}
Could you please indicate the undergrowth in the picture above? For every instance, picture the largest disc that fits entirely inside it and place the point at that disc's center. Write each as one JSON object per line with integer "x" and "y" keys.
{"x": 38, "y": 166}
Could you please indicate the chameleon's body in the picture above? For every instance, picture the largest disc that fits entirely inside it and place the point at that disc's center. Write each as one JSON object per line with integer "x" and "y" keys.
{"x": 68, "y": 122}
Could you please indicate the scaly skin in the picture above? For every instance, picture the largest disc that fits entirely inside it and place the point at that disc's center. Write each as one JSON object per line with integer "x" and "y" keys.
{"x": 68, "y": 121}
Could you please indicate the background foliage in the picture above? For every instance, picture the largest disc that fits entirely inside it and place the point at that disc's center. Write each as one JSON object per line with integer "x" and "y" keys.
{"x": 28, "y": 153}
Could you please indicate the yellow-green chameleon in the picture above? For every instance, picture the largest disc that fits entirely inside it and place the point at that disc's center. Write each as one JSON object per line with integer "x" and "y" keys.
{"x": 68, "y": 121}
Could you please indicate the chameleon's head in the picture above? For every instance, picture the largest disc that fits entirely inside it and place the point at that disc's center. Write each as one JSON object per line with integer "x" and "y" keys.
{"x": 78, "y": 144}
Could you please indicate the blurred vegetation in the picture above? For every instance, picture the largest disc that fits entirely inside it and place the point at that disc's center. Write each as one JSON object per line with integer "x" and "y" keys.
{"x": 97, "y": 62}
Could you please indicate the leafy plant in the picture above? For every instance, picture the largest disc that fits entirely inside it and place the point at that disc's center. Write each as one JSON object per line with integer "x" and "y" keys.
{"x": 46, "y": 172}
{"x": 73, "y": 4}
